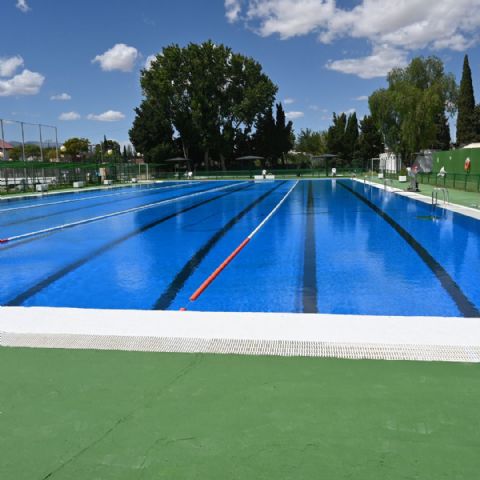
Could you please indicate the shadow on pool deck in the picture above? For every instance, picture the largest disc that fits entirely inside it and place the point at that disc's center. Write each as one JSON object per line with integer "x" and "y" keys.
{"x": 123, "y": 415}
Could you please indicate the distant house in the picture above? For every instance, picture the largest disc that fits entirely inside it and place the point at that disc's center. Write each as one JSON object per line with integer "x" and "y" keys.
{"x": 5, "y": 147}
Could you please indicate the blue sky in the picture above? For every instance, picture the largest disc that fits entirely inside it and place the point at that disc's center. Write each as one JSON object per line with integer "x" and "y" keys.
{"x": 77, "y": 64}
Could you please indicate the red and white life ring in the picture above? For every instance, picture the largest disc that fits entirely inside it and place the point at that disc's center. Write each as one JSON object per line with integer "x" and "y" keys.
{"x": 467, "y": 164}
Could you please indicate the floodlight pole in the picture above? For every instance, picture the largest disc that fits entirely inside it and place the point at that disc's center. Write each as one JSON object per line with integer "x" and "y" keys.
{"x": 56, "y": 144}
{"x": 3, "y": 140}
{"x": 41, "y": 142}
{"x": 23, "y": 142}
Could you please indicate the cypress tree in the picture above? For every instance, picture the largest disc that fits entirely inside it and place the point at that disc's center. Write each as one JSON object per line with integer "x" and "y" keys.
{"x": 442, "y": 141}
{"x": 466, "y": 107}
{"x": 283, "y": 141}
{"x": 351, "y": 137}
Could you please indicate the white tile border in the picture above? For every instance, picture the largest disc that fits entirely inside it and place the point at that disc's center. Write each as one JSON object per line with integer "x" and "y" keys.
{"x": 350, "y": 336}
{"x": 454, "y": 207}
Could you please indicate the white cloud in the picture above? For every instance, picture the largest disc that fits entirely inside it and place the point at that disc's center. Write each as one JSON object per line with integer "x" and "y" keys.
{"x": 23, "y": 6}
{"x": 361, "y": 98}
{"x": 294, "y": 115}
{"x": 149, "y": 60}
{"x": 232, "y": 10}
{"x": 108, "y": 116}
{"x": 69, "y": 116}
{"x": 288, "y": 101}
{"x": 400, "y": 26}
{"x": 119, "y": 57}
{"x": 25, "y": 83}
{"x": 378, "y": 64}
{"x": 61, "y": 97}
{"x": 8, "y": 66}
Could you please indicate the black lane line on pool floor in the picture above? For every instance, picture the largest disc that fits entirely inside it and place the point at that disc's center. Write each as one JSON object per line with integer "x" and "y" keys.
{"x": 466, "y": 307}
{"x": 310, "y": 256}
{"x": 135, "y": 196}
{"x": 38, "y": 287}
{"x": 167, "y": 298}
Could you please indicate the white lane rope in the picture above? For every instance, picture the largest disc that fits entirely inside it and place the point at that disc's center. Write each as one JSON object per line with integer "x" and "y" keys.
{"x": 116, "y": 214}
{"x": 237, "y": 250}
{"x": 270, "y": 215}
{"x": 59, "y": 202}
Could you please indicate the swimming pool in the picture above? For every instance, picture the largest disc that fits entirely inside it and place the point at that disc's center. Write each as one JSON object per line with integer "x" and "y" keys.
{"x": 332, "y": 246}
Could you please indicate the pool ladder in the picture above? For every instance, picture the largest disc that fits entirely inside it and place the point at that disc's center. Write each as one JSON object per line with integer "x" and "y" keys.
{"x": 387, "y": 180}
{"x": 444, "y": 191}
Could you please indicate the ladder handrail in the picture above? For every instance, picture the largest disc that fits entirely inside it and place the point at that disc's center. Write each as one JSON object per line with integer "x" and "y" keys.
{"x": 446, "y": 196}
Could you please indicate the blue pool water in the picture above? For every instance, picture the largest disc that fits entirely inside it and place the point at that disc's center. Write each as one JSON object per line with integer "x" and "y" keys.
{"x": 334, "y": 246}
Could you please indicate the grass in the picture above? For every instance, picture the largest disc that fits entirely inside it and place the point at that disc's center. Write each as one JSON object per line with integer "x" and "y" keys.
{"x": 125, "y": 415}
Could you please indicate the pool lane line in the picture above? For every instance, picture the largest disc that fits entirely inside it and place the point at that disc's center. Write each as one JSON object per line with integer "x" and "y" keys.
{"x": 131, "y": 192}
{"x": 136, "y": 196}
{"x": 309, "y": 292}
{"x": 114, "y": 214}
{"x": 170, "y": 293}
{"x": 465, "y": 305}
{"x": 237, "y": 250}
{"x": 38, "y": 287}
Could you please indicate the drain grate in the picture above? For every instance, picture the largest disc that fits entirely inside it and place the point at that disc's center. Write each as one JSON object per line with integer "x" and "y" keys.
{"x": 284, "y": 348}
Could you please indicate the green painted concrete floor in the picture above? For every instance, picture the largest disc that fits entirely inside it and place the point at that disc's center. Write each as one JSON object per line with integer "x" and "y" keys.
{"x": 128, "y": 415}
{"x": 460, "y": 197}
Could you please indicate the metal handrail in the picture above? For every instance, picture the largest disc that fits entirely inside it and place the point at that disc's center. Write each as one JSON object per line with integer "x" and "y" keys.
{"x": 446, "y": 198}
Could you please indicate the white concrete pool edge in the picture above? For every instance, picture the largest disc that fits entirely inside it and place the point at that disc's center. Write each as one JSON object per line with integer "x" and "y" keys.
{"x": 454, "y": 207}
{"x": 288, "y": 334}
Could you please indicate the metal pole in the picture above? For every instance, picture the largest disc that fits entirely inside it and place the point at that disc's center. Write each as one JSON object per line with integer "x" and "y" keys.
{"x": 41, "y": 142}
{"x": 23, "y": 143}
{"x": 3, "y": 141}
{"x": 56, "y": 144}
{"x": 24, "y": 159}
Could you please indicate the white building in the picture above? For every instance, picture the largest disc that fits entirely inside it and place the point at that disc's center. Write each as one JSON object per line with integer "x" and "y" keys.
{"x": 389, "y": 163}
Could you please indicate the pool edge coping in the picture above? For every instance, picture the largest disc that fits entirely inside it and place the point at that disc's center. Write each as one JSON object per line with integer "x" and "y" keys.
{"x": 453, "y": 207}
{"x": 454, "y": 339}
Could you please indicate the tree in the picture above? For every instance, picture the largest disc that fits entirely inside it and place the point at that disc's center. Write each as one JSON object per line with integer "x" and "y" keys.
{"x": 32, "y": 152}
{"x": 370, "y": 142}
{"x": 407, "y": 112}
{"x": 207, "y": 94}
{"x": 152, "y": 133}
{"x": 466, "y": 107}
{"x": 443, "y": 139}
{"x": 313, "y": 143}
{"x": 76, "y": 147}
{"x": 284, "y": 139}
{"x": 264, "y": 137}
{"x": 477, "y": 122}
{"x": 336, "y": 135}
{"x": 350, "y": 138}
{"x": 273, "y": 138}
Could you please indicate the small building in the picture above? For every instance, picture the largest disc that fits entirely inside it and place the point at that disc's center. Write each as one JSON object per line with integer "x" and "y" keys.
{"x": 389, "y": 162}
{"x": 5, "y": 151}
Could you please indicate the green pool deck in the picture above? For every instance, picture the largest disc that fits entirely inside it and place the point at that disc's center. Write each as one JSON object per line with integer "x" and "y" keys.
{"x": 80, "y": 414}
{"x": 459, "y": 197}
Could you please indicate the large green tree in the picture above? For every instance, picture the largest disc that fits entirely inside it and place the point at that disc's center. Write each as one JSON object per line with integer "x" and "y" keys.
{"x": 207, "y": 94}
{"x": 407, "y": 111}
{"x": 152, "y": 133}
{"x": 284, "y": 138}
{"x": 370, "y": 142}
{"x": 76, "y": 147}
{"x": 273, "y": 137}
{"x": 311, "y": 142}
{"x": 336, "y": 135}
{"x": 466, "y": 128}
{"x": 350, "y": 139}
